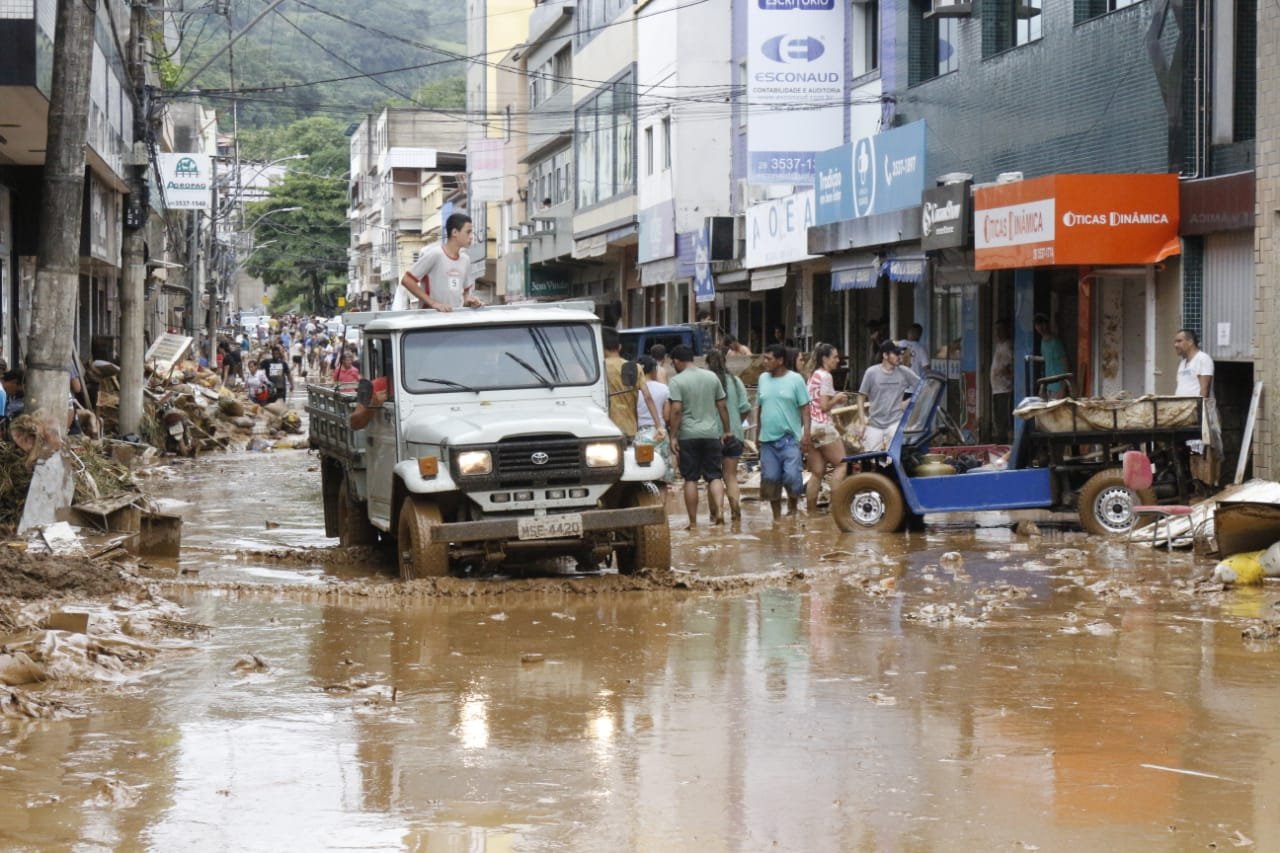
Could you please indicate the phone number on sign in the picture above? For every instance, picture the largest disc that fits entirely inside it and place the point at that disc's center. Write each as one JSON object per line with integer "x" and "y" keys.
{"x": 790, "y": 165}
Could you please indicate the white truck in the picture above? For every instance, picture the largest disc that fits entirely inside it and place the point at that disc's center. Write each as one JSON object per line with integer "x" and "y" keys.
{"x": 495, "y": 443}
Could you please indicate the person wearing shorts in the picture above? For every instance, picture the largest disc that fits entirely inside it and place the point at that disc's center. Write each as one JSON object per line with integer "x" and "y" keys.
{"x": 828, "y": 447}
{"x": 782, "y": 404}
{"x": 699, "y": 427}
{"x": 739, "y": 405}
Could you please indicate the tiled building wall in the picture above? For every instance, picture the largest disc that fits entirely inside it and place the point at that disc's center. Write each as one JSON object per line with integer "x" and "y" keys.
{"x": 1266, "y": 451}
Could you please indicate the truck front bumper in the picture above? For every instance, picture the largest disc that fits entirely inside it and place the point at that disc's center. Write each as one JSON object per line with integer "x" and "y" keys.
{"x": 593, "y": 520}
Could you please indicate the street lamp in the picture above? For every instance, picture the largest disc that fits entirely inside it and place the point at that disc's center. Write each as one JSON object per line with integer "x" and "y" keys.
{"x": 267, "y": 213}
{"x": 235, "y": 197}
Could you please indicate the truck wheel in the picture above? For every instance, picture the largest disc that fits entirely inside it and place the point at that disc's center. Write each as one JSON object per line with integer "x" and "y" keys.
{"x": 1106, "y": 503}
{"x": 420, "y": 555}
{"x": 353, "y": 522}
{"x": 330, "y": 478}
{"x": 867, "y": 501}
{"x": 652, "y": 548}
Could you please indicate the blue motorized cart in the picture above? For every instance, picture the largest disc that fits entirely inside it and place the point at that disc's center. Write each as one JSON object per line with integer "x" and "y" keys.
{"x": 1070, "y": 461}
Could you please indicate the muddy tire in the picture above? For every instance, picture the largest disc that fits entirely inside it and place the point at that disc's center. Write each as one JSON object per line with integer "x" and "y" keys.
{"x": 353, "y": 522}
{"x": 868, "y": 501}
{"x": 1106, "y": 504}
{"x": 420, "y": 555}
{"x": 652, "y": 547}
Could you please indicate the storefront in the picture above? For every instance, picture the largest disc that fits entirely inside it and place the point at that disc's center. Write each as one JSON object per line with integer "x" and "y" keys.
{"x": 658, "y": 300}
{"x": 960, "y": 311}
{"x": 1219, "y": 290}
{"x": 1092, "y": 252}
{"x": 868, "y": 222}
{"x": 777, "y": 258}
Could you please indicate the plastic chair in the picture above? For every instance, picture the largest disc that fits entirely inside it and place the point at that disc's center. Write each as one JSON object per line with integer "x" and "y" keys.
{"x": 1138, "y": 475}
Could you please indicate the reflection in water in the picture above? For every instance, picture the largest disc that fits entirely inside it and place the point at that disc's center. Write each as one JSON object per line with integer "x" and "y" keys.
{"x": 473, "y": 721}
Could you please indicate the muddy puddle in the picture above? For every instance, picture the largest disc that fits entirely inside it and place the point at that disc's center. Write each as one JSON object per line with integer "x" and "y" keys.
{"x": 782, "y": 688}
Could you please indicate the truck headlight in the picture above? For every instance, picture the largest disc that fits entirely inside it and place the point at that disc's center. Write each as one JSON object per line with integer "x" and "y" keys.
{"x": 475, "y": 462}
{"x": 603, "y": 455}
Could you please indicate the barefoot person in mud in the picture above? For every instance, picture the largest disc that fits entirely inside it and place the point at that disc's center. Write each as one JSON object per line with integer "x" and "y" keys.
{"x": 782, "y": 411}
{"x": 699, "y": 429}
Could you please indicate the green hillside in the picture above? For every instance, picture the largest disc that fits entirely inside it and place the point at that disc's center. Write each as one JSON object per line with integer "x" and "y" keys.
{"x": 320, "y": 58}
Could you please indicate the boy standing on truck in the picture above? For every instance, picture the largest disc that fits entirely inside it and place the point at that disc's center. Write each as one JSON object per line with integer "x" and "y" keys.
{"x": 439, "y": 277}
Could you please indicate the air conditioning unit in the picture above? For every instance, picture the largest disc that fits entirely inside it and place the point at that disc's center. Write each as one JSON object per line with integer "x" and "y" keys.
{"x": 721, "y": 244}
{"x": 949, "y": 9}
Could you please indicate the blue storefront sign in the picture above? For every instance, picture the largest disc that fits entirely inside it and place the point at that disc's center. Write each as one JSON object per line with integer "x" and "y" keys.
{"x": 888, "y": 170}
{"x": 704, "y": 281}
{"x": 835, "y": 185}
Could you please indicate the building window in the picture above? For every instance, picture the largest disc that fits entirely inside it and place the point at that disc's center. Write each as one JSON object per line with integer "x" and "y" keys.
{"x": 1086, "y": 9}
{"x": 550, "y": 76}
{"x": 592, "y": 16}
{"x": 1009, "y": 23}
{"x": 666, "y": 143}
{"x": 604, "y": 130}
{"x": 648, "y": 150}
{"x": 549, "y": 182}
{"x": 932, "y": 42}
{"x": 562, "y": 67}
{"x": 866, "y": 37}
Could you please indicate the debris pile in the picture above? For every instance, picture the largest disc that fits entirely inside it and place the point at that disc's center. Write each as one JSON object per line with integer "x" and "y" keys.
{"x": 213, "y": 416}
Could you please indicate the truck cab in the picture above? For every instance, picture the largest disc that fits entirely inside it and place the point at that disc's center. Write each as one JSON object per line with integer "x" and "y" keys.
{"x": 494, "y": 443}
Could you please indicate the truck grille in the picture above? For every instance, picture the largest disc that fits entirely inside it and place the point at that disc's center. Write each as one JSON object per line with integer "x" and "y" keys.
{"x": 516, "y": 459}
{"x": 539, "y": 460}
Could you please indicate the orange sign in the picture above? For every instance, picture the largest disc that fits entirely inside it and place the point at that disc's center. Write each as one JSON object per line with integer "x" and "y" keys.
{"x": 1076, "y": 220}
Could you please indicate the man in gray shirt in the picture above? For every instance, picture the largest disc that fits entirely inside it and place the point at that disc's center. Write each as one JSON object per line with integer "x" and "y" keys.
{"x": 885, "y": 386}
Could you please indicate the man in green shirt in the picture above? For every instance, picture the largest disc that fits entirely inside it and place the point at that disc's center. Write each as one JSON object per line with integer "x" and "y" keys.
{"x": 699, "y": 426}
{"x": 782, "y": 405}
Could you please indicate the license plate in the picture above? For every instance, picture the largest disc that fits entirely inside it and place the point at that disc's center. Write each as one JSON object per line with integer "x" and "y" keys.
{"x": 550, "y": 526}
{"x": 176, "y": 429}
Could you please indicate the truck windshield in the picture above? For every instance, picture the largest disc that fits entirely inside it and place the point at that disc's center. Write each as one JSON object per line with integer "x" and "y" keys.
{"x": 487, "y": 358}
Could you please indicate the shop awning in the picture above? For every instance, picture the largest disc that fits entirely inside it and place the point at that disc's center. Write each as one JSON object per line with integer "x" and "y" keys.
{"x": 768, "y": 278}
{"x": 854, "y": 271}
{"x": 658, "y": 272}
{"x": 855, "y": 278}
{"x": 908, "y": 268}
{"x": 1076, "y": 220}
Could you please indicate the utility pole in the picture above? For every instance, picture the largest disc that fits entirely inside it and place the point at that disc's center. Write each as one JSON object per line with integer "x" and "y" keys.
{"x": 133, "y": 287}
{"x": 53, "y": 308}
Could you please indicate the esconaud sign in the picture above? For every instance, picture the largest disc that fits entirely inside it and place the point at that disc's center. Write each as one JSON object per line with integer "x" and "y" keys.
{"x": 795, "y": 86}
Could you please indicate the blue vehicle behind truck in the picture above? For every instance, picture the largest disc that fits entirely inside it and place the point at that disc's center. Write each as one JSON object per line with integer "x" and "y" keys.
{"x": 1074, "y": 465}
{"x": 637, "y": 342}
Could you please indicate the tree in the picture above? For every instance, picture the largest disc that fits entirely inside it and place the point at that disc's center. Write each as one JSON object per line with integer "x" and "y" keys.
{"x": 303, "y": 253}
{"x": 449, "y": 93}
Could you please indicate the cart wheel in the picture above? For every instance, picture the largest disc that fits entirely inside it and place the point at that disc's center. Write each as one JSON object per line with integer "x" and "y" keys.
{"x": 867, "y": 502}
{"x": 1106, "y": 504}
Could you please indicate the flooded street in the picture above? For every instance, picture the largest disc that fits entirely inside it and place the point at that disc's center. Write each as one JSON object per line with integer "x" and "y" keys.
{"x": 789, "y": 688}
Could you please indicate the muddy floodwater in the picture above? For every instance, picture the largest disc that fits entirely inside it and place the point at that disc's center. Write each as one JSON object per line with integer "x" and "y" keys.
{"x": 786, "y": 688}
